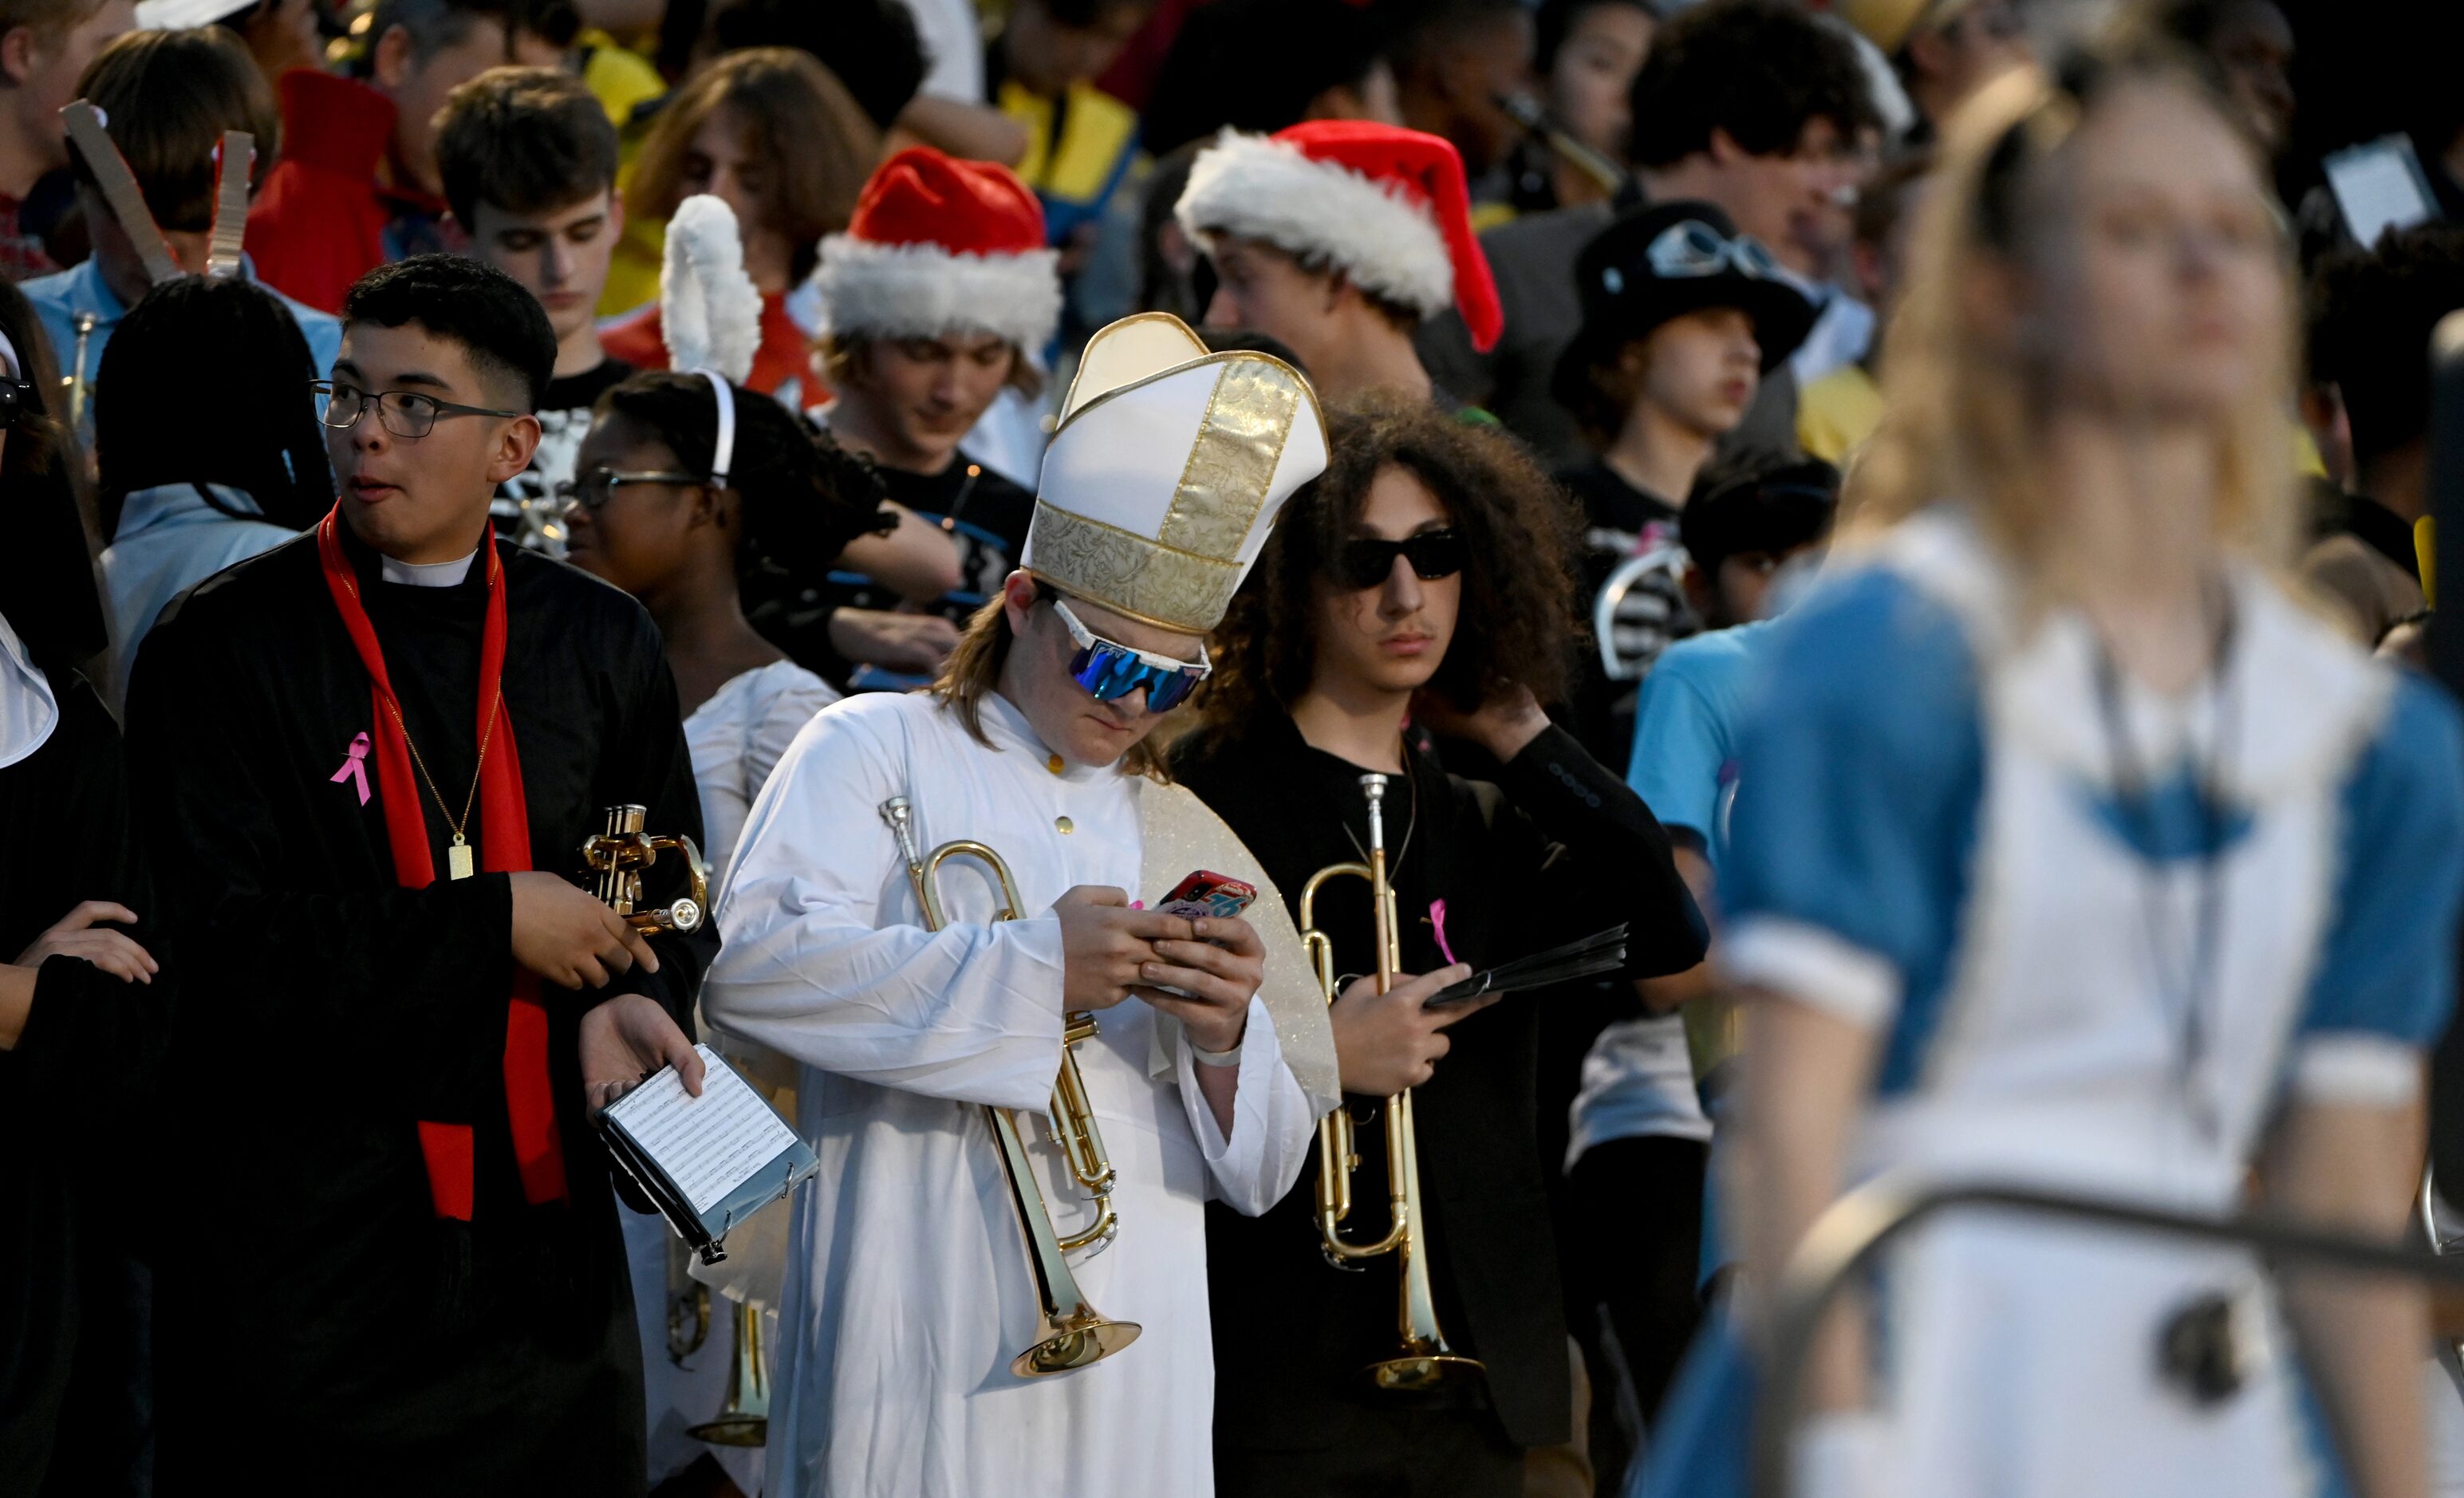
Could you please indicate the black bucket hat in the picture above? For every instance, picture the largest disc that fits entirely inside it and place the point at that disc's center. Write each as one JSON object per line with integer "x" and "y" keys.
{"x": 1662, "y": 261}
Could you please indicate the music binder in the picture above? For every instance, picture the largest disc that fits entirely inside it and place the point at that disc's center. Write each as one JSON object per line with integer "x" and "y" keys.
{"x": 707, "y": 1162}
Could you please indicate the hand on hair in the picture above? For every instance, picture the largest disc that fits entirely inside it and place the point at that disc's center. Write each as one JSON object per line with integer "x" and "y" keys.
{"x": 915, "y": 644}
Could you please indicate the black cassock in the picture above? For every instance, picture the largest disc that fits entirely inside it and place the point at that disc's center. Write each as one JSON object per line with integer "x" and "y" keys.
{"x": 1556, "y": 848}
{"x": 317, "y": 1325}
{"x": 76, "y": 1159}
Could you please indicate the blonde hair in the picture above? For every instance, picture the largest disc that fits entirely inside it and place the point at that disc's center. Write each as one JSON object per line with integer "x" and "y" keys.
{"x": 1964, "y": 419}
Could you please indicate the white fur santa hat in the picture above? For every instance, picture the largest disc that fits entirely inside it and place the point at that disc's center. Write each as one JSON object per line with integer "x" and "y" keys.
{"x": 1385, "y": 204}
{"x": 939, "y": 245}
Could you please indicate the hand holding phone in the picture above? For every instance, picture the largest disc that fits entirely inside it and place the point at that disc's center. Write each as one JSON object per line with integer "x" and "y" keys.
{"x": 1203, "y": 895}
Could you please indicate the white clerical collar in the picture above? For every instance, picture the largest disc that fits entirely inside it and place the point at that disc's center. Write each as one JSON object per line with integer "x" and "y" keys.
{"x": 27, "y": 711}
{"x": 428, "y": 574}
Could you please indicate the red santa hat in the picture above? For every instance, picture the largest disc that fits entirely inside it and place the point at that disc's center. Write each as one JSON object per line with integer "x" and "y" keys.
{"x": 938, "y": 245}
{"x": 1385, "y": 204}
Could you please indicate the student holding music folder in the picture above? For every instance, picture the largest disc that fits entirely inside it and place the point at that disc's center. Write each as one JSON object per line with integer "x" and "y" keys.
{"x": 1417, "y": 586}
{"x": 925, "y": 1349}
{"x": 367, "y": 760}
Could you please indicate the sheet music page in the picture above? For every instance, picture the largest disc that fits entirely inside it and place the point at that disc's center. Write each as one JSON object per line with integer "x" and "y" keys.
{"x": 708, "y": 1145}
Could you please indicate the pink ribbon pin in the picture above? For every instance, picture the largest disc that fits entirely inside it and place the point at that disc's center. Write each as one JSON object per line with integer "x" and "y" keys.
{"x": 1438, "y": 920}
{"x": 355, "y": 767}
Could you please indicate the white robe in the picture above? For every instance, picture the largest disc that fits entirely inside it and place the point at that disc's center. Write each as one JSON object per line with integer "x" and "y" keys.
{"x": 910, "y": 1292}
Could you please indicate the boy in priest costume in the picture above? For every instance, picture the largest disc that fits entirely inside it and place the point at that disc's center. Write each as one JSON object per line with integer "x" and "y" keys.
{"x": 910, "y": 1291}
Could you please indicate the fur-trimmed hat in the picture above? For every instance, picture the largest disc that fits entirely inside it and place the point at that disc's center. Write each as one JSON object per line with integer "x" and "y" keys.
{"x": 1385, "y": 204}
{"x": 939, "y": 245}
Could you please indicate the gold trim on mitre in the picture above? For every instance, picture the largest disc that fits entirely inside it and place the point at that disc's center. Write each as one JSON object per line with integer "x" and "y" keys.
{"x": 1136, "y": 576}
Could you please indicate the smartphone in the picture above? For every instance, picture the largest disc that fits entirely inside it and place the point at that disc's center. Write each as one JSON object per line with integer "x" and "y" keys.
{"x": 1203, "y": 895}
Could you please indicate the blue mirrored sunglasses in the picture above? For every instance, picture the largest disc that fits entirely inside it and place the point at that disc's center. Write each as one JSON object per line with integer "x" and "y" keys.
{"x": 1109, "y": 668}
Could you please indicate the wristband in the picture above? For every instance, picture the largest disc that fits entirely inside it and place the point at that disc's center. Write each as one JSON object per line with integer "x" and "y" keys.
{"x": 1215, "y": 1058}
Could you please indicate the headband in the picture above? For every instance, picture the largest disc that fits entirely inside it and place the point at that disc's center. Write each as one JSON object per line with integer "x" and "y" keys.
{"x": 722, "y": 453}
{"x": 8, "y": 353}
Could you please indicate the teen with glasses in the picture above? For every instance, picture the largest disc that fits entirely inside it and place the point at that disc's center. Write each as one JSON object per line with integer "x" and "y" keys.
{"x": 909, "y": 1292}
{"x": 367, "y": 758}
{"x": 1417, "y": 586}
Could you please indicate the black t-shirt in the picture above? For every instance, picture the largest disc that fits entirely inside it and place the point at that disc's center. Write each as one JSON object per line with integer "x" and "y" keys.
{"x": 1622, "y": 522}
{"x": 526, "y": 503}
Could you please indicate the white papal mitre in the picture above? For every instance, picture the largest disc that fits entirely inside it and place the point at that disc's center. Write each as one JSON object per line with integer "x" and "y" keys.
{"x": 1167, "y": 472}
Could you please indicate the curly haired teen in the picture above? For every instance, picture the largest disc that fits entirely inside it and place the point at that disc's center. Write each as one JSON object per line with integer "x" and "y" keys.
{"x": 1418, "y": 580}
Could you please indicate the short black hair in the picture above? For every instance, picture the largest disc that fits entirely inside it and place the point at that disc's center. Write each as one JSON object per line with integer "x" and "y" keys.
{"x": 1757, "y": 500}
{"x": 870, "y": 45}
{"x": 256, "y": 432}
{"x": 167, "y": 98}
{"x": 1758, "y": 69}
{"x": 1234, "y": 64}
{"x": 527, "y": 140}
{"x": 2371, "y": 312}
{"x": 801, "y": 497}
{"x": 500, "y": 325}
{"x": 433, "y": 25}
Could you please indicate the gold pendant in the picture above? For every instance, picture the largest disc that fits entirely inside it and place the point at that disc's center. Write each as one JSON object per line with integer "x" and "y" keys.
{"x": 457, "y": 859}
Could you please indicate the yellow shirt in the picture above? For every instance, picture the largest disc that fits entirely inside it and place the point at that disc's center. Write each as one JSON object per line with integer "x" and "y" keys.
{"x": 1836, "y": 413}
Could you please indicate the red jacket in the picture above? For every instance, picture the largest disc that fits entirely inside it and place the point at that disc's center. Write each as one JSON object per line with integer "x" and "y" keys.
{"x": 784, "y": 354}
{"x": 323, "y": 219}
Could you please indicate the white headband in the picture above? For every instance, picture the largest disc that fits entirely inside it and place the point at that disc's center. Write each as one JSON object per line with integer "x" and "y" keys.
{"x": 722, "y": 455}
{"x": 8, "y": 353}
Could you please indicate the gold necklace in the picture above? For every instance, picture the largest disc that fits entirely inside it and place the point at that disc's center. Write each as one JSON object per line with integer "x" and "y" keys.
{"x": 457, "y": 854}
{"x": 457, "y": 857}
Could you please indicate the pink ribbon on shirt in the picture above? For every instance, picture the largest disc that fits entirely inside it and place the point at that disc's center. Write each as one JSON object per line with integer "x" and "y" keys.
{"x": 1438, "y": 920}
{"x": 355, "y": 767}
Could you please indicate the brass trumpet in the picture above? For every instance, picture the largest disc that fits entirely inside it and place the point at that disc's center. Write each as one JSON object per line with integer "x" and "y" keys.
{"x": 744, "y": 1421}
{"x": 619, "y": 855}
{"x": 1069, "y": 1332}
{"x": 1425, "y": 1361}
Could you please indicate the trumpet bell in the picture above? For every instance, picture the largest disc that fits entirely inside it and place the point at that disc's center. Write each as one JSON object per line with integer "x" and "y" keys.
{"x": 1062, "y": 1347}
{"x": 744, "y": 1421}
{"x": 1419, "y": 1373}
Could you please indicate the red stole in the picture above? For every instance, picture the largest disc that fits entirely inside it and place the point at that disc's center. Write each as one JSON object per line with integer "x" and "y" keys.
{"x": 504, "y": 839}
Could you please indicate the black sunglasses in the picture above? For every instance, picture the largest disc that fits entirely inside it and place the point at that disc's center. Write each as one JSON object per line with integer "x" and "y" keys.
{"x": 1368, "y": 563}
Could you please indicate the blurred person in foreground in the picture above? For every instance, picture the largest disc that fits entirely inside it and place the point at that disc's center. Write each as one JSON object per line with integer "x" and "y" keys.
{"x": 2070, "y": 851}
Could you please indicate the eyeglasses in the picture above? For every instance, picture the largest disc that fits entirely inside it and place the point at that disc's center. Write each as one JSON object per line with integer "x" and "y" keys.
{"x": 593, "y": 490}
{"x": 17, "y": 397}
{"x": 406, "y": 413}
{"x": 1692, "y": 247}
{"x": 1110, "y": 670}
{"x": 1369, "y": 562}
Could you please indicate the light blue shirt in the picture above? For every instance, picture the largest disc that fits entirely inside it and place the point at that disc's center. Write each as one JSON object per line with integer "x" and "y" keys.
{"x": 60, "y": 298}
{"x": 1684, "y": 761}
{"x": 171, "y": 540}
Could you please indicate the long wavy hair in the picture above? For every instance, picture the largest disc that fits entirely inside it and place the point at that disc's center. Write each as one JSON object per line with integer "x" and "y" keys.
{"x": 1965, "y": 413}
{"x": 1517, "y": 621}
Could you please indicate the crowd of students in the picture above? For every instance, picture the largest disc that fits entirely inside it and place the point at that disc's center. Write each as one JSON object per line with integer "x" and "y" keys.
{"x": 1916, "y": 510}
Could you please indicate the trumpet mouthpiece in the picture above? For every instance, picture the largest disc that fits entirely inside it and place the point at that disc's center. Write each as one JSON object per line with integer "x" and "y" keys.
{"x": 1374, "y": 786}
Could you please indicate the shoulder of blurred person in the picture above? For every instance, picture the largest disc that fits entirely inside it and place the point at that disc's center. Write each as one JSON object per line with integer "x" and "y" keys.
{"x": 2370, "y": 592}
{"x": 318, "y": 223}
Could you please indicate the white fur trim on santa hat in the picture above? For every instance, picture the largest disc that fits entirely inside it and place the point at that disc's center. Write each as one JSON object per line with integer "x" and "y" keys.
{"x": 1259, "y": 188}
{"x": 872, "y": 290}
